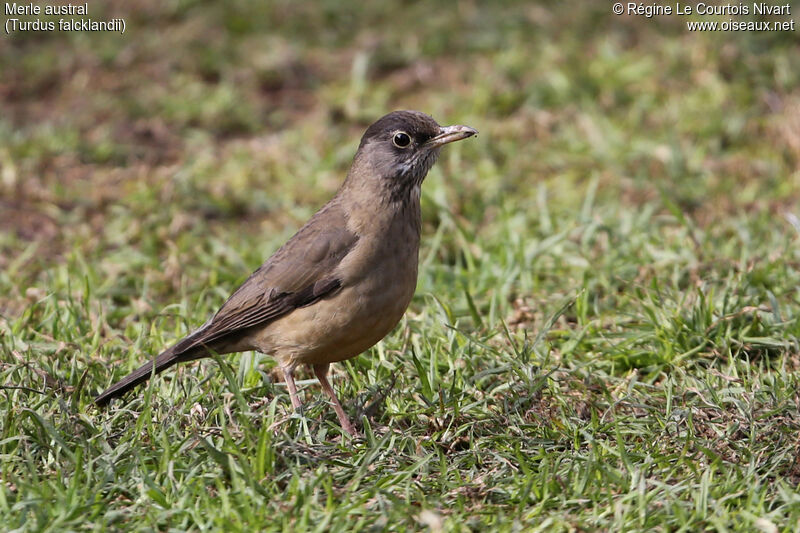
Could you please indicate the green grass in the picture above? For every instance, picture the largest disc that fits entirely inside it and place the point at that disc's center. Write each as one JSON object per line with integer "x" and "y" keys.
{"x": 606, "y": 331}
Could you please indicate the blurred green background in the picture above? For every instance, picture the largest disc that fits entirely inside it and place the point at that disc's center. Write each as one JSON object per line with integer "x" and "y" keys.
{"x": 605, "y": 331}
{"x": 217, "y": 111}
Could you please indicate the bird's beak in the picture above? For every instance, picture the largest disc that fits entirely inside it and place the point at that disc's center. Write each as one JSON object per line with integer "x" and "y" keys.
{"x": 449, "y": 134}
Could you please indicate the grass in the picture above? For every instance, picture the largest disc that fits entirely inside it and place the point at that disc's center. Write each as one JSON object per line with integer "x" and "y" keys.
{"x": 605, "y": 331}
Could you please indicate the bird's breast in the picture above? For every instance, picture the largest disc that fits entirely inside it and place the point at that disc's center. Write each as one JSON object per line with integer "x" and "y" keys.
{"x": 378, "y": 279}
{"x": 381, "y": 273}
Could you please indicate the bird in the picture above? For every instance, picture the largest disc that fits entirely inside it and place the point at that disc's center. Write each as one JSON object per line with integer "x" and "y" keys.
{"x": 343, "y": 281}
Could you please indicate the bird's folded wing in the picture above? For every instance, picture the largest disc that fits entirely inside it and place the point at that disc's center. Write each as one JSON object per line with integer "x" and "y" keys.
{"x": 301, "y": 272}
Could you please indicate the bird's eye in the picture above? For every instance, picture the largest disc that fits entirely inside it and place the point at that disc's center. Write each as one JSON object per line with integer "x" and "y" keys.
{"x": 401, "y": 139}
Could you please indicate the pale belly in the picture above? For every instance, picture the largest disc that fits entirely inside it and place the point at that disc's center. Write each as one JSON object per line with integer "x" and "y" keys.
{"x": 344, "y": 325}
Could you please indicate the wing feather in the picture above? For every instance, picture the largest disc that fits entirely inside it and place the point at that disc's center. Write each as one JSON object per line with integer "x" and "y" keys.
{"x": 298, "y": 274}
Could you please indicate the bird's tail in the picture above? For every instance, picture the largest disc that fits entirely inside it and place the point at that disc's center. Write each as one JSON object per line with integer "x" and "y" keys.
{"x": 167, "y": 358}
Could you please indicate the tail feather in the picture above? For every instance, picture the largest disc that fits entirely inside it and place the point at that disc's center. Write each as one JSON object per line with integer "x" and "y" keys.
{"x": 188, "y": 349}
{"x": 138, "y": 376}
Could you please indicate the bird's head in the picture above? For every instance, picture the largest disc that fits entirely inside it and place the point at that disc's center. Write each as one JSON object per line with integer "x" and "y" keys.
{"x": 400, "y": 148}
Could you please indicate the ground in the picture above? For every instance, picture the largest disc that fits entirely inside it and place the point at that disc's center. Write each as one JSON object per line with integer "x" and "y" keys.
{"x": 605, "y": 333}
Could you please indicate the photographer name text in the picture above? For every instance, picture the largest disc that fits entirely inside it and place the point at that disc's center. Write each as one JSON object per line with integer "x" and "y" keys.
{"x": 758, "y": 8}
{"x": 702, "y": 9}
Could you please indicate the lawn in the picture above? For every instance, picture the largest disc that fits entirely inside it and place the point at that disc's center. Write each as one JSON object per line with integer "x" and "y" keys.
{"x": 606, "y": 329}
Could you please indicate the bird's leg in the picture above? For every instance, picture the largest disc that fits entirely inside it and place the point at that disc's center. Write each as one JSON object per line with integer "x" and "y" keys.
{"x": 288, "y": 376}
{"x": 322, "y": 375}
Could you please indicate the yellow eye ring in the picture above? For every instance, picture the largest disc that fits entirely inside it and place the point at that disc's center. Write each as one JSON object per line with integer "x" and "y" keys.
{"x": 401, "y": 139}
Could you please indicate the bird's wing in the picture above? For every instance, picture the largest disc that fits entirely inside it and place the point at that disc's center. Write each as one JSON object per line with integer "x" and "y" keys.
{"x": 298, "y": 274}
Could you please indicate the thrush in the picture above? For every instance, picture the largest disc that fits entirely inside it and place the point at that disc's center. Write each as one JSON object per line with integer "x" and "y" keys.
{"x": 343, "y": 281}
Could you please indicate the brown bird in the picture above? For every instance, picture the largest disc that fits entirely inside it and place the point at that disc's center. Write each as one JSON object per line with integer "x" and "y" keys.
{"x": 344, "y": 280}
